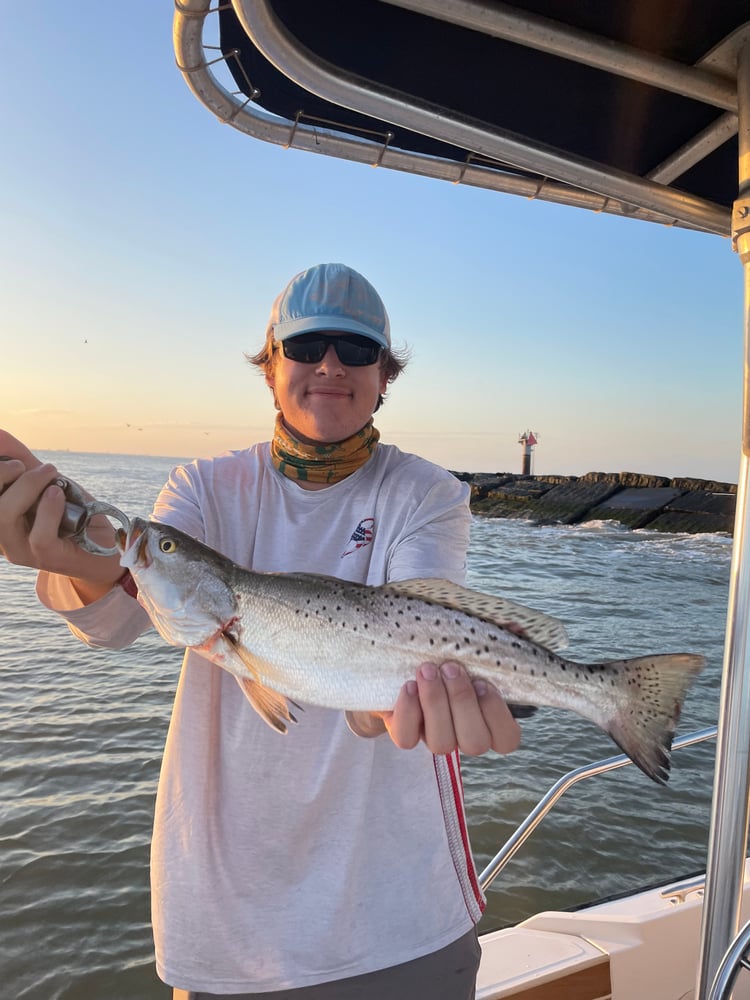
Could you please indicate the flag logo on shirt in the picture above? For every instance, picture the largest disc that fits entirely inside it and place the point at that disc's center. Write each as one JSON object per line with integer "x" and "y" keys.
{"x": 362, "y": 535}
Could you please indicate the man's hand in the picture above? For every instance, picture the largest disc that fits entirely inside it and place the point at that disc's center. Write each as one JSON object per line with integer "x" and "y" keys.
{"x": 31, "y": 508}
{"x": 445, "y": 710}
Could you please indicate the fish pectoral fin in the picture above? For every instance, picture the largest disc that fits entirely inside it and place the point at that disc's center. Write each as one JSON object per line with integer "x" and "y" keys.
{"x": 271, "y": 706}
{"x": 539, "y": 627}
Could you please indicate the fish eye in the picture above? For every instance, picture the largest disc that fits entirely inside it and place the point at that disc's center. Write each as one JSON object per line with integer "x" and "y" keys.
{"x": 168, "y": 545}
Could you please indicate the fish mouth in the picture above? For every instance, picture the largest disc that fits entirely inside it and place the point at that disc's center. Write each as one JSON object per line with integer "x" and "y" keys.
{"x": 133, "y": 544}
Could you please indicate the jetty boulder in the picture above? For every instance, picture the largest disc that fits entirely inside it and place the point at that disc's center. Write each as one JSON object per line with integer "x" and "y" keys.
{"x": 636, "y": 500}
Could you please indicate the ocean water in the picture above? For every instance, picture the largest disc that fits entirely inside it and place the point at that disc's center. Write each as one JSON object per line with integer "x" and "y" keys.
{"x": 82, "y": 731}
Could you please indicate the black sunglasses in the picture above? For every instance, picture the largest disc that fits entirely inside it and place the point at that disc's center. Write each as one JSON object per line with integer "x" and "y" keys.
{"x": 351, "y": 348}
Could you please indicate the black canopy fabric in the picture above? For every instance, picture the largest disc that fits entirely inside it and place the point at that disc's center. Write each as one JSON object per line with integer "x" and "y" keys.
{"x": 585, "y": 111}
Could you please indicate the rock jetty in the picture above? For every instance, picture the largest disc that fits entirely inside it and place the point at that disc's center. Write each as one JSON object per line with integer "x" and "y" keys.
{"x": 635, "y": 500}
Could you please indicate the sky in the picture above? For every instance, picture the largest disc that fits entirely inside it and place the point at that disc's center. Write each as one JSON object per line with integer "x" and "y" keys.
{"x": 142, "y": 243}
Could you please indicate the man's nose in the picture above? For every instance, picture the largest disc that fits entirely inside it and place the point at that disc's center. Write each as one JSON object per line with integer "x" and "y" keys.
{"x": 330, "y": 360}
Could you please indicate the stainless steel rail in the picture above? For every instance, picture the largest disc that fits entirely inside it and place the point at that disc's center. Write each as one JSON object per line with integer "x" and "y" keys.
{"x": 734, "y": 960}
{"x": 727, "y": 844}
{"x": 347, "y": 90}
{"x": 537, "y": 814}
{"x": 477, "y": 171}
{"x": 546, "y": 35}
{"x": 373, "y": 150}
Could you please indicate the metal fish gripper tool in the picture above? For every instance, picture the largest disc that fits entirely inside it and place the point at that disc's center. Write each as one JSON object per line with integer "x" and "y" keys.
{"x": 78, "y": 513}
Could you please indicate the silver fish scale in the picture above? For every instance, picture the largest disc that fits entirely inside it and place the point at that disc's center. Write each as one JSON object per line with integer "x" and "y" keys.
{"x": 340, "y": 645}
{"x": 343, "y": 645}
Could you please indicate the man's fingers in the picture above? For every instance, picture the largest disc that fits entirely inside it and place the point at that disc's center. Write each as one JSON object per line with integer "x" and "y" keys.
{"x": 458, "y": 713}
{"x": 471, "y": 732}
{"x": 404, "y": 723}
{"x": 13, "y": 448}
{"x": 448, "y": 711}
{"x": 505, "y": 733}
{"x": 10, "y": 470}
{"x": 44, "y": 530}
{"x": 439, "y": 731}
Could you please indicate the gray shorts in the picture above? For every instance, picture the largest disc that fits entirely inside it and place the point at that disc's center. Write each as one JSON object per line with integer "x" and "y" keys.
{"x": 448, "y": 974}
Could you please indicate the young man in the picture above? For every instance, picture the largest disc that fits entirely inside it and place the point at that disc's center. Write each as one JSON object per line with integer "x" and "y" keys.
{"x": 327, "y": 863}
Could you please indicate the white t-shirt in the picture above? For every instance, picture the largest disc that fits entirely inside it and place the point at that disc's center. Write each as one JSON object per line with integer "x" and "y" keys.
{"x": 286, "y": 861}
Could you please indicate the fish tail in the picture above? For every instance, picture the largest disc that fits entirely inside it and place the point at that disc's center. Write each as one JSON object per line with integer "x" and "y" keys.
{"x": 650, "y": 693}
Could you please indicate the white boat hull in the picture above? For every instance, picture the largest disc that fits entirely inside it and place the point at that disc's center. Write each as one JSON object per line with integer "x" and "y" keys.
{"x": 640, "y": 947}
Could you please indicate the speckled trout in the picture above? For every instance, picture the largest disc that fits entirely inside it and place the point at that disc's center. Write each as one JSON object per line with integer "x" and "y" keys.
{"x": 296, "y": 637}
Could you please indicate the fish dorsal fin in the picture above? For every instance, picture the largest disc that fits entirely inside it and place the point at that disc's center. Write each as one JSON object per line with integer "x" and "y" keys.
{"x": 271, "y": 706}
{"x": 540, "y": 628}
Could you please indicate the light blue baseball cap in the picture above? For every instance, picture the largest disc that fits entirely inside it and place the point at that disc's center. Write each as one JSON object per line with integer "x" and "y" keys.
{"x": 329, "y": 298}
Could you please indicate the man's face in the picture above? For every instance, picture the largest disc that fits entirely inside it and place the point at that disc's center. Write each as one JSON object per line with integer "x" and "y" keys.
{"x": 325, "y": 401}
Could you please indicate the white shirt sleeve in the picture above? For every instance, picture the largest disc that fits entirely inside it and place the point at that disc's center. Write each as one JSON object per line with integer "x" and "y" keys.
{"x": 113, "y": 622}
{"x": 436, "y": 537}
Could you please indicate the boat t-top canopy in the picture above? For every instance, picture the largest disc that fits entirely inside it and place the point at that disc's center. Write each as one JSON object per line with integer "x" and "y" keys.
{"x": 628, "y": 106}
{"x": 639, "y": 108}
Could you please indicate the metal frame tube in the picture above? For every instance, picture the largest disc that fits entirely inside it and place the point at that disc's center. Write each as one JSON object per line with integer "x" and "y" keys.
{"x": 729, "y": 820}
{"x": 733, "y": 961}
{"x": 524, "y": 830}
{"x": 240, "y": 113}
{"x": 547, "y": 35}
{"x": 313, "y": 74}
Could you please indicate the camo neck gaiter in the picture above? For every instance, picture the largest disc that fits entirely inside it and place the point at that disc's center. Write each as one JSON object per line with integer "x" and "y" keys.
{"x": 321, "y": 463}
